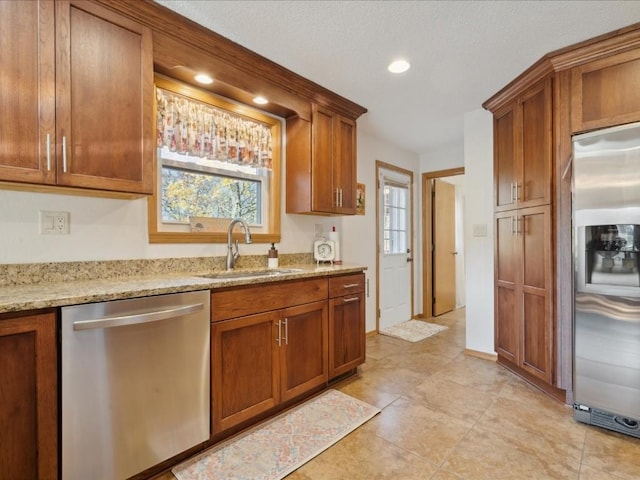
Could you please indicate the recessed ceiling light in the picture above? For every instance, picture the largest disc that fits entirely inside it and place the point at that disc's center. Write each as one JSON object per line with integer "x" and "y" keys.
{"x": 203, "y": 78}
{"x": 260, "y": 100}
{"x": 399, "y": 66}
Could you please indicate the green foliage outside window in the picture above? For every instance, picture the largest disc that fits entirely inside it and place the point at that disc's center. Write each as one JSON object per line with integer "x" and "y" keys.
{"x": 196, "y": 194}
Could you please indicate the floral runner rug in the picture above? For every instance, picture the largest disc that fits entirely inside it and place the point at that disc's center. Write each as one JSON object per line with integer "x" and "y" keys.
{"x": 274, "y": 449}
{"x": 413, "y": 330}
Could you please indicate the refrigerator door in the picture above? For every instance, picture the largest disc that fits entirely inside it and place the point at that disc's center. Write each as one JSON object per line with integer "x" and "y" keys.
{"x": 606, "y": 226}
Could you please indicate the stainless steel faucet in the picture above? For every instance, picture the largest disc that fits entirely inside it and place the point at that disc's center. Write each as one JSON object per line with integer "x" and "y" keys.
{"x": 231, "y": 255}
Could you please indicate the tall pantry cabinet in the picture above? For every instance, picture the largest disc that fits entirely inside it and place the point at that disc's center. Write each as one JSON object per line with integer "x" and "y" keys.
{"x": 523, "y": 232}
{"x": 580, "y": 88}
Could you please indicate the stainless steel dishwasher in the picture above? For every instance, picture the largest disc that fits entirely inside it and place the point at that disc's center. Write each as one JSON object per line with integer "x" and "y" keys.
{"x": 135, "y": 383}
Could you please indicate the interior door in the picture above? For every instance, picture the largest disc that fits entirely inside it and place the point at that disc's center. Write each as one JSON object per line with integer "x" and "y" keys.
{"x": 394, "y": 224}
{"x": 444, "y": 247}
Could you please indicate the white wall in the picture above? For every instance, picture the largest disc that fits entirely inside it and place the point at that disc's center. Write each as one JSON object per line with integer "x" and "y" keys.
{"x": 358, "y": 233}
{"x": 478, "y": 166}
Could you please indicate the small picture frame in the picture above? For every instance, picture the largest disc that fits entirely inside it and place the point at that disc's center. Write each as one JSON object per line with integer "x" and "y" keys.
{"x": 360, "y": 199}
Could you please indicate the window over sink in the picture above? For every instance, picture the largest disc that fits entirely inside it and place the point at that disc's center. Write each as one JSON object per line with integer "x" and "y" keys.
{"x": 215, "y": 160}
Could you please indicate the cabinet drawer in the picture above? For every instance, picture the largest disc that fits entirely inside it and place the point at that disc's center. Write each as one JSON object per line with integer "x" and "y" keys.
{"x": 346, "y": 284}
{"x": 241, "y": 301}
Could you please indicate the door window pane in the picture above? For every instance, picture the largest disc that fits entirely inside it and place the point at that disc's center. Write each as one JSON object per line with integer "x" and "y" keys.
{"x": 395, "y": 218}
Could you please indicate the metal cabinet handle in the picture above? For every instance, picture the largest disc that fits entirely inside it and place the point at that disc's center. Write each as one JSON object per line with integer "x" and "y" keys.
{"x": 279, "y": 339}
{"x": 341, "y": 197}
{"x": 123, "y": 320}
{"x": 64, "y": 154}
{"x": 352, "y": 285}
{"x": 348, "y": 300}
{"x": 517, "y": 192}
{"x": 286, "y": 331}
{"x": 512, "y": 197}
{"x": 48, "y": 152}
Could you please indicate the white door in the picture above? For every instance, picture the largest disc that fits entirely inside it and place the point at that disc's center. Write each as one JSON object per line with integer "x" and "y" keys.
{"x": 394, "y": 240}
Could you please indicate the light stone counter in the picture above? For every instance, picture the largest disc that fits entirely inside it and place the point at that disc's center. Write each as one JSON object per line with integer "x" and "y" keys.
{"x": 73, "y": 283}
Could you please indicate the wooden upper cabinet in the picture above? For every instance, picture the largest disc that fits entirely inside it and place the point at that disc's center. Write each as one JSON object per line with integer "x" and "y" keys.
{"x": 27, "y": 87}
{"x": 104, "y": 99}
{"x": 321, "y": 164}
{"x": 77, "y": 93}
{"x": 604, "y": 92}
{"x": 523, "y": 148}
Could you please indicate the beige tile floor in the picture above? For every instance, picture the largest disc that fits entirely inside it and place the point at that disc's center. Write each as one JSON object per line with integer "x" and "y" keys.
{"x": 449, "y": 416}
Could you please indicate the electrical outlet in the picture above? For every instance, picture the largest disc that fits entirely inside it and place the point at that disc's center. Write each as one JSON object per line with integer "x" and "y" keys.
{"x": 54, "y": 223}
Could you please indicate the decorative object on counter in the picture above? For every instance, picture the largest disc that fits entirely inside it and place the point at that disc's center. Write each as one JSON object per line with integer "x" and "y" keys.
{"x": 278, "y": 447}
{"x": 360, "y": 198}
{"x": 272, "y": 257}
{"x": 335, "y": 238}
{"x": 324, "y": 251}
{"x": 413, "y": 330}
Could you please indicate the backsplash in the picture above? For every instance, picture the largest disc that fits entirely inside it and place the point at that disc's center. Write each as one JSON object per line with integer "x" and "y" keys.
{"x": 56, "y": 272}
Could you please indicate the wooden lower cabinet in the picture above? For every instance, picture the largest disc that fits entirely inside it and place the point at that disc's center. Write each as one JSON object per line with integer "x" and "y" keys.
{"x": 523, "y": 291}
{"x": 303, "y": 349}
{"x": 262, "y": 360}
{"x": 28, "y": 396}
{"x": 244, "y": 369}
{"x": 346, "y": 324}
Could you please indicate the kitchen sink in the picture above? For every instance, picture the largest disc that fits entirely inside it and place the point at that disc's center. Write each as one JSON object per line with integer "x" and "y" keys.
{"x": 236, "y": 274}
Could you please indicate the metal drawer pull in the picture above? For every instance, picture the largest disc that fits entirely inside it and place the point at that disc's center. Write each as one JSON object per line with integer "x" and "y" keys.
{"x": 124, "y": 320}
{"x": 351, "y": 285}
{"x": 347, "y": 300}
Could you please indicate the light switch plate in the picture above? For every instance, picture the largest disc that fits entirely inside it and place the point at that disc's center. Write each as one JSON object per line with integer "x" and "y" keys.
{"x": 54, "y": 223}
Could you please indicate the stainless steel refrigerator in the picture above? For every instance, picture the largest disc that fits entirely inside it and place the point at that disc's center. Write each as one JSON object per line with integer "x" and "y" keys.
{"x": 606, "y": 239}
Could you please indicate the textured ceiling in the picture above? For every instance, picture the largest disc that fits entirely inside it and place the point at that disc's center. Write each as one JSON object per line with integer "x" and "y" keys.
{"x": 462, "y": 52}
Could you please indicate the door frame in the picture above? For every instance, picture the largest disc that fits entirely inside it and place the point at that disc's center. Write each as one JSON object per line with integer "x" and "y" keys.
{"x": 387, "y": 166}
{"x": 427, "y": 235}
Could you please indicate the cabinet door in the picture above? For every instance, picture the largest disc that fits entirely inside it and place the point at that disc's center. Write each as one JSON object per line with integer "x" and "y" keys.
{"x": 28, "y": 396}
{"x": 27, "y": 91}
{"x": 244, "y": 367}
{"x": 537, "y": 327}
{"x": 506, "y": 270}
{"x": 604, "y": 92}
{"x": 323, "y": 194}
{"x": 505, "y": 164}
{"x": 344, "y": 166}
{"x": 303, "y": 352}
{"x": 346, "y": 333}
{"x": 104, "y": 99}
{"x": 533, "y": 187}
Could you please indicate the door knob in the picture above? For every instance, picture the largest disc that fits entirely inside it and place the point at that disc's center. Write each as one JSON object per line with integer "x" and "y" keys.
{"x": 409, "y": 259}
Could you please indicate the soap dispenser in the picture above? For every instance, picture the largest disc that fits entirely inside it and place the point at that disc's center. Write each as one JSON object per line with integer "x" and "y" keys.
{"x": 273, "y": 257}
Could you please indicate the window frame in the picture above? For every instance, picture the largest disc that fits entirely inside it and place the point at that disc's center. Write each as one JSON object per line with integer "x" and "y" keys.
{"x": 273, "y": 213}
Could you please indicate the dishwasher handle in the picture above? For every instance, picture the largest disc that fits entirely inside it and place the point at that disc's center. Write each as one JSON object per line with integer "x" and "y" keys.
{"x": 123, "y": 320}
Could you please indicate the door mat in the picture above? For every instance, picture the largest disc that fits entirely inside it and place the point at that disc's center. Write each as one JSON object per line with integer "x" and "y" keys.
{"x": 413, "y": 330}
{"x": 276, "y": 448}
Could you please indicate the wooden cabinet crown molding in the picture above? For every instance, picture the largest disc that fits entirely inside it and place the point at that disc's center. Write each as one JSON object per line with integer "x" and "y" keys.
{"x": 235, "y": 65}
{"x": 602, "y": 46}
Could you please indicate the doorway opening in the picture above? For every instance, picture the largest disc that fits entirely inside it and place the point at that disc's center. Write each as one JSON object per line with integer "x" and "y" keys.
{"x": 440, "y": 255}
{"x": 394, "y": 259}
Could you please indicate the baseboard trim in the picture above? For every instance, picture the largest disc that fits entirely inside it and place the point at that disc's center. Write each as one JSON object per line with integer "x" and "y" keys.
{"x": 492, "y": 357}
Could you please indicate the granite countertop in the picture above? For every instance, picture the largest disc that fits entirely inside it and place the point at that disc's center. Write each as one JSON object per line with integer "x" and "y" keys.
{"x": 47, "y": 294}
